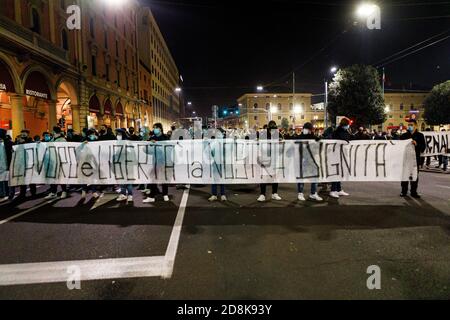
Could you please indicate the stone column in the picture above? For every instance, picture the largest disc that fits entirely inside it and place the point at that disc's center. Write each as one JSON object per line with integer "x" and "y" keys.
{"x": 76, "y": 121}
{"x": 52, "y": 118}
{"x": 18, "y": 123}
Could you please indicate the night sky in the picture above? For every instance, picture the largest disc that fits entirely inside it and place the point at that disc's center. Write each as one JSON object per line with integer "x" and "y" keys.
{"x": 224, "y": 49}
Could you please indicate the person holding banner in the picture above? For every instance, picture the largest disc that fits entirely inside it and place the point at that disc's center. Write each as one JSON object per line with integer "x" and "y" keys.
{"x": 418, "y": 140}
{"x": 7, "y": 144}
{"x": 90, "y": 136}
{"x": 158, "y": 135}
{"x": 262, "y": 198}
{"x": 24, "y": 138}
{"x": 308, "y": 134}
{"x": 58, "y": 136}
{"x": 341, "y": 133}
{"x": 126, "y": 191}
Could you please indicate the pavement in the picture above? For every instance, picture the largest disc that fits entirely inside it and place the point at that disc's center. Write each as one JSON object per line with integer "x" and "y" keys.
{"x": 192, "y": 249}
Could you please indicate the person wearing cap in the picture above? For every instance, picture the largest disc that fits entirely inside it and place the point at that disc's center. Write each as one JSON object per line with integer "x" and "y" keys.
{"x": 308, "y": 134}
{"x": 341, "y": 133}
{"x": 418, "y": 140}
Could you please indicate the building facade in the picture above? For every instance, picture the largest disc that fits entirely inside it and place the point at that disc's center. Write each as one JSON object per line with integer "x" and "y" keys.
{"x": 50, "y": 75}
{"x": 402, "y": 106}
{"x": 257, "y": 109}
{"x": 155, "y": 57}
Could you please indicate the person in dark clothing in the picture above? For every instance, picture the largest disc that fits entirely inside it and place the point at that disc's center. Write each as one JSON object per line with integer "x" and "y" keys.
{"x": 362, "y": 134}
{"x": 262, "y": 198}
{"x": 157, "y": 136}
{"x": 8, "y": 144}
{"x": 308, "y": 134}
{"x": 341, "y": 133}
{"x": 73, "y": 137}
{"x": 24, "y": 138}
{"x": 418, "y": 139}
{"x": 132, "y": 135}
{"x": 106, "y": 134}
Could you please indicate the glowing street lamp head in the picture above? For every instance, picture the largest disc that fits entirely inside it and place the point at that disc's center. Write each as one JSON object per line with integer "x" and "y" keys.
{"x": 178, "y": 90}
{"x": 297, "y": 109}
{"x": 273, "y": 110}
{"x": 115, "y": 3}
{"x": 334, "y": 69}
{"x": 189, "y": 103}
{"x": 260, "y": 88}
{"x": 365, "y": 10}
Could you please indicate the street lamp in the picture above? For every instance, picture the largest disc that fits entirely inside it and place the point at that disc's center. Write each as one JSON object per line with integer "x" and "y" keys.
{"x": 115, "y": 3}
{"x": 189, "y": 104}
{"x": 298, "y": 109}
{"x": 259, "y": 88}
{"x": 178, "y": 90}
{"x": 333, "y": 70}
{"x": 365, "y": 10}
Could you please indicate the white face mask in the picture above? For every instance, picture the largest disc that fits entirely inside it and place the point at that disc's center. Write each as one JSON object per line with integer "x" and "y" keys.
{"x": 306, "y": 131}
{"x": 119, "y": 137}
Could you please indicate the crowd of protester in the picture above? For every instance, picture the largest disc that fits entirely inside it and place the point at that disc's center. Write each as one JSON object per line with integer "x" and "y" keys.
{"x": 151, "y": 191}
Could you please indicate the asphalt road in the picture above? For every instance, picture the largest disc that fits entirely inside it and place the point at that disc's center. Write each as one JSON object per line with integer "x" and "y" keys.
{"x": 242, "y": 249}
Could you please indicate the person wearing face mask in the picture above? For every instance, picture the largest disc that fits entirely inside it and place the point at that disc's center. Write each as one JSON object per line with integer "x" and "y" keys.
{"x": 341, "y": 133}
{"x": 362, "y": 134}
{"x": 25, "y": 138}
{"x": 308, "y": 134}
{"x": 58, "y": 136}
{"x": 126, "y": 190}
{"x": 46, "y": 137}
{"x": 158, "y": 136}
{"x": 418, "y": 140}
{"x": 5, "y": 140}
{"x": 133, "y": 135}
{"x": 262, "y": 198}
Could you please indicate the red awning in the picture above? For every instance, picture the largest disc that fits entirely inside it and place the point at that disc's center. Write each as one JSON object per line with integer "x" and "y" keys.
{"x": 119, "y": 109}
{"x": 36, "y": 86}
{"x": 108, "y": 107}
{"x": 94, "y": 105}
{"x": 6, "y": 81}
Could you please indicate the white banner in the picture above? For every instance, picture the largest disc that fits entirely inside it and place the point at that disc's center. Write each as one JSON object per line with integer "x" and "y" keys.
{"x": 212, "y": 162}
{"x": 437, "y": 144}
{"x": 4, "y": 173}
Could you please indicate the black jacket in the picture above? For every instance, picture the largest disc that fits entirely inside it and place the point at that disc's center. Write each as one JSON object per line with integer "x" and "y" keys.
{"x": 107, "y": 137}
{"x": 419, "y": 138}
{"x": 341, "y": 134}
{"x": 162, "y": 137}
{"x": 308, "y": 137}
{"x": 361, "y": 136}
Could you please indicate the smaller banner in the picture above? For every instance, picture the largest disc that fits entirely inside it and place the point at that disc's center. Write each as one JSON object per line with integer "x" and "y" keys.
{"x": 437, "y": 144}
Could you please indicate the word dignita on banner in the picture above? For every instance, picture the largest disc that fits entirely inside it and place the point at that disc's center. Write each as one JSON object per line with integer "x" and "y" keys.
{"x": 212, "y": 162}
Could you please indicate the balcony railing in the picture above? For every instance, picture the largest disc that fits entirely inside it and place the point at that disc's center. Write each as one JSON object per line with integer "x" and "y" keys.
{"x": 33, "y": 39}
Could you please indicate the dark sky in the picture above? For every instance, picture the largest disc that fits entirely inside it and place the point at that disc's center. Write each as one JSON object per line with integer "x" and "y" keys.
{"x": 225, "y": 48}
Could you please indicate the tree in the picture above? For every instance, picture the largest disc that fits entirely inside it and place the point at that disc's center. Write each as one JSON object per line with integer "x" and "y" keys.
{"x": 357, "y": 94}
{"x": 285, "y": 123}
{"x": 437, "y": 105}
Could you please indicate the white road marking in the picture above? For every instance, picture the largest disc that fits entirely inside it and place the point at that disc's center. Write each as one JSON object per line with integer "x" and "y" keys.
{"x": 107, "y": 197}
{"x": 445, "y": 187}
{"x": 27, "y": 211}
{"x": 141, "y": 267}
{"x": 171, "y": 252}
{"x": 51, "y": 272}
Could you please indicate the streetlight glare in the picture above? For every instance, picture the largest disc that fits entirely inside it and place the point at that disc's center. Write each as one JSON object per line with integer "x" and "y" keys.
{"x": 178, "y": 89}
{"x": 364, "y": 10}
{"x": 260, "y": 88}
{"x": 115, "y": 3}
{"x": 273, "y": 110}
{"x": 297, "y": 109}
{"x": 189, "y": 103}
{"x": 334, "y": 69}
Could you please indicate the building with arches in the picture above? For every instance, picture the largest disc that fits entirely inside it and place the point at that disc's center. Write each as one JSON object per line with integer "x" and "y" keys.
{"x": 50, "y": 75}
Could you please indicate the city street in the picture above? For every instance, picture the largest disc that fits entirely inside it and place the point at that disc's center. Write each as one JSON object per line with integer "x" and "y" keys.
{"x": 192, "y": 249}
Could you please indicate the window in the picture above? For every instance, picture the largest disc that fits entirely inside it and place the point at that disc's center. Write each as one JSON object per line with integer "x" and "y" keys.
{"x": 279, "y": 106}
{"x": 401, "y": 107}
{"x": 92, "y": 27}
{"x": 62, "y": 4}
{"x": 118, "y": 78}
{"x": 106, "y": 39}
{"x": 256, "y": 118}
{"x": 35, "y": 21}
{"x": 64, "y": 40}
{"x": 94, "y": 65}
{"x": 107, "y": 72}
{"x": 255, "y": 105}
